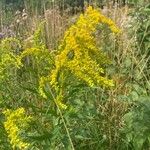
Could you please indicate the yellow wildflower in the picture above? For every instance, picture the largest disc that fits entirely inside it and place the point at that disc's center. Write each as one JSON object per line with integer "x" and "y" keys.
{"x": 59, "y": 99}
{"x": 42, "y": 82}
{"x": 78, "y": 54}
{"x": 76, "y": 47}
{"x": 16, "y": 121}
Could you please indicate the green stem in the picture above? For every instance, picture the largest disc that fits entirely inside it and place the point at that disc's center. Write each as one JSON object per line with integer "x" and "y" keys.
{"x": 65, "y": 125}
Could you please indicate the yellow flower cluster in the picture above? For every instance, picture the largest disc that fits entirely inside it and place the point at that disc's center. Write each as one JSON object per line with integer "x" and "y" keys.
{"x": 42, "y": 83}
{"x": 59, "y": 97}
{"x": 10, "y": 45}
{"x": 31, "y": 51}
{"x": 8, "y": 58}
{"x": 16, "y": 121}
{"x": 77, "y": 53}
{"x": 7, "y": 61}
{"x": 78, "y": 43}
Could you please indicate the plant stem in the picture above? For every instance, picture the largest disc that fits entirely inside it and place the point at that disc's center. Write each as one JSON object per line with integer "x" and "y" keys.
{"x": 61, "y": 115}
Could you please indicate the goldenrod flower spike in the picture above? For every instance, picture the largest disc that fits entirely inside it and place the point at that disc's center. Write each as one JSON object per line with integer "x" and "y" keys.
{"x": 16, "y": 121}
{"x": 75, "y": 50}
{"x": 8, "y": 58}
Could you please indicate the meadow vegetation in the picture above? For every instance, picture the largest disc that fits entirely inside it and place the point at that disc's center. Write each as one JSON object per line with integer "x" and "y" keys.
{"x": 74, "y": 76}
